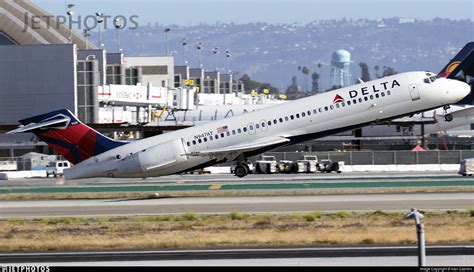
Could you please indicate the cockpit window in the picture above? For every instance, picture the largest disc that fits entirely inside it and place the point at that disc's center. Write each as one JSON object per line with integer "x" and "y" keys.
{"x": 431, "y": 79}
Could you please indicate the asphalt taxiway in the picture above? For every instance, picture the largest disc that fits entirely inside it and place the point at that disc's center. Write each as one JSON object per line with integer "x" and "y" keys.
{"x": 453, "y": 255}
{"x": 228, "y": 182}
{"x": 220, "y": 205}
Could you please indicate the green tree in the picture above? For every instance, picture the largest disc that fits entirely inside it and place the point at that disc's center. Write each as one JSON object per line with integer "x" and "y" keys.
{"x": 251, "y": 85}
{"x": 305, "y": 71}
{"x": 377, "y": 69}
{"x": 365, "y": 75}
{"x": 315, "y": 83}
{"x": 388, "y": 71}
{"x": 293, "y": 91}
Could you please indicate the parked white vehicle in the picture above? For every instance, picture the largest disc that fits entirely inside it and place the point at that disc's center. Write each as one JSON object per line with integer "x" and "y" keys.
{"x": 308, "y": 164}
{"x": 57, "y": 168}
{"x": 267, "y": 165}
{"x": 467, "y": 167}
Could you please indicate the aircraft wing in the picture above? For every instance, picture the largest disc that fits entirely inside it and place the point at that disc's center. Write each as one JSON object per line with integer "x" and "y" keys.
{"x": 240, "y": 147}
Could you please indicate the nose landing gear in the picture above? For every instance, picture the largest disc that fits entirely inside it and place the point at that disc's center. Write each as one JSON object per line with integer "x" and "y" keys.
{"x": 448, "y": 117}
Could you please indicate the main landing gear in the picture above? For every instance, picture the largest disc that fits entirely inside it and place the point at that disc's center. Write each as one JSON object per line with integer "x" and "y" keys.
{"x": 448, "y": 117}
{"x": 241, "y": 170}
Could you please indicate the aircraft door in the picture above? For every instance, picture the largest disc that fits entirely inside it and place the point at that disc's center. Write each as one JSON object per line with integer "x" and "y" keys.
{"x": 414, "y": 93}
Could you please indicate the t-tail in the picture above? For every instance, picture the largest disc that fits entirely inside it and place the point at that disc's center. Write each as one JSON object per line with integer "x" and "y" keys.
{"x": 461, "y": 65}
{"x": 68, "y": 136}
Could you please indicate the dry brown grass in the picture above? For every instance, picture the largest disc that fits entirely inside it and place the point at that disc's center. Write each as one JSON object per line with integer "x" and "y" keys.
{"x": 237, "y": 229}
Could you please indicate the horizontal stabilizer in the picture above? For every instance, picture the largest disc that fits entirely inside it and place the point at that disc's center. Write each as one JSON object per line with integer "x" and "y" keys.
{"x": 42, "y": 125}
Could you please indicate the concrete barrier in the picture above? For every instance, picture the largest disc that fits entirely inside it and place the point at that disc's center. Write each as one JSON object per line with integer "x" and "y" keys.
{"x": 401, "y": 168}
{"x": 22, "y": 174}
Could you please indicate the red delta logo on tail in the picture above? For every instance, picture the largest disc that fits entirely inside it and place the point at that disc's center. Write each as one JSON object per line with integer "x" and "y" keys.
{"x": 337, "y": 99}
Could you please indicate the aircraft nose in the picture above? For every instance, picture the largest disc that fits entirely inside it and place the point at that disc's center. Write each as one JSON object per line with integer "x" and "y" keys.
{"x": 461, "y": 89}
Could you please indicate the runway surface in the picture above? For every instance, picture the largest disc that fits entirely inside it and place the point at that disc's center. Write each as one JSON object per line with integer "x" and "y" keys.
{"x": 439, "y": 261}
{"x": 231, "y": 183}
{"x": 329, "y": 256}
{"x": 219, "y": 205}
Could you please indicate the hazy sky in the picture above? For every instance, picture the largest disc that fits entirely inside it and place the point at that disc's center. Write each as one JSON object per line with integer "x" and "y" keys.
{"x": 189, "y": 12}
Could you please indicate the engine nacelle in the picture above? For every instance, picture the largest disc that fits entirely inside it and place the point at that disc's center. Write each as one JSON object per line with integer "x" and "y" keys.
{"x": 157, "y": 157}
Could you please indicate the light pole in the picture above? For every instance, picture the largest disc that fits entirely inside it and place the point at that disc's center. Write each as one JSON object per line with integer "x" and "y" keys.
{"x": 199, "y": 47}
{"x": 87, "y": 34}
{"x": 184, "y": 42}
{"x": 167, "y": 29}
{"x": 118, "y": 25}
{"x": 216, "y": 52}
{"x": 100, "y": 20}
{"x": 228, "y": 55}
{"x": 70, "y": 12}
{"x": 420, "y": 235}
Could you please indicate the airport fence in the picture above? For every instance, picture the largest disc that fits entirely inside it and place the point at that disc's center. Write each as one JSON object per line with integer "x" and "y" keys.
{"x": 381, "y": 157}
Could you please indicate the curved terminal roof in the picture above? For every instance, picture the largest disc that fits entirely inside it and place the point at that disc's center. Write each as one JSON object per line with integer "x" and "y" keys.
{"x": 16, "y": 26}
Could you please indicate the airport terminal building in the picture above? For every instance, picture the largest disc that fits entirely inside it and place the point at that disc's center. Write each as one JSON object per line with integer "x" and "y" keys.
{"x": 46, "y": 66}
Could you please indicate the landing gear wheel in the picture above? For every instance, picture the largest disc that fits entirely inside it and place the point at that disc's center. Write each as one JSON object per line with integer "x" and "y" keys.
{"x": 241, "y": 170}
{"x": 448, "y": 117}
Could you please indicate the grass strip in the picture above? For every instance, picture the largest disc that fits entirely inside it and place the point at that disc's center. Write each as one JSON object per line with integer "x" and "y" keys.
{"x": 236, "y": 229}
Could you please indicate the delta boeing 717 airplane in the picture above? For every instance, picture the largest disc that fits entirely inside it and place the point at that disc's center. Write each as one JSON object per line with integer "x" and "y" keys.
{"x": 243, "y": 136}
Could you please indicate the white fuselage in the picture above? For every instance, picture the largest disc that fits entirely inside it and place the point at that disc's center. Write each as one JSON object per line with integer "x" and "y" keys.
{"x": 299, "y": 120}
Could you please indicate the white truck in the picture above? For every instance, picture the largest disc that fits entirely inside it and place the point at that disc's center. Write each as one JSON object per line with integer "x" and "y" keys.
{"x": 467, "y": 167}
{"x": 57, "y": 168}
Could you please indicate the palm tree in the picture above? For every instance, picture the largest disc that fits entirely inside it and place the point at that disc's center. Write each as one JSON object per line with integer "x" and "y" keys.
{"x": 305, "y": 71}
